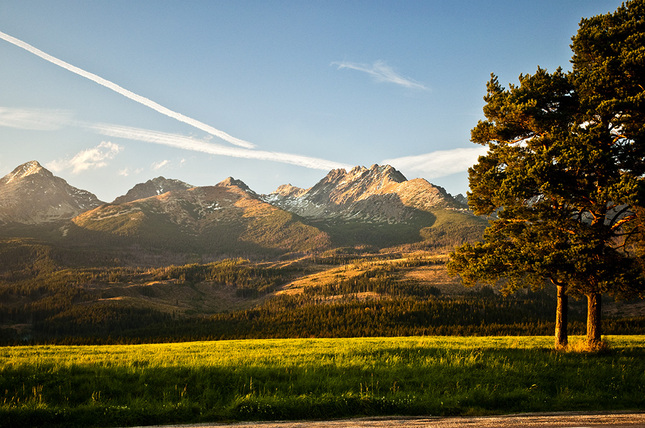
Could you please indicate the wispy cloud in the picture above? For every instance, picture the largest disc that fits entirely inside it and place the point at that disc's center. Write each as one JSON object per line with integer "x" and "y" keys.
{"x": 381, "y": 72}
{"x": 126, "y": 93}
{"x": 96, "y": 157}
{"x": 197, "y": 145}
{"x": 158, "y": 165}
{"x": 439, "y": 163}
{"x": 34, "y": 119}
{"x": 54, "y": 119}
{"x": 125, "y": 172}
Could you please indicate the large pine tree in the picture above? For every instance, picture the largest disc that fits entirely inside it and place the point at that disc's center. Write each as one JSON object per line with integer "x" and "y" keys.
{"x": 563, "y": 176}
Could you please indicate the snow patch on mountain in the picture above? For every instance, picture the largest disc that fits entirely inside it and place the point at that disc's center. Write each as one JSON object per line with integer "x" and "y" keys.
{"x": 31, "y": 194}
{"x": 378, "y": 194}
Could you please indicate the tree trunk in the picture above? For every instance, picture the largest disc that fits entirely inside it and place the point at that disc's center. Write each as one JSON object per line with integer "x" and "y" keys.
{"x": 594, "y": 332}
{"x": 561, "y": 314}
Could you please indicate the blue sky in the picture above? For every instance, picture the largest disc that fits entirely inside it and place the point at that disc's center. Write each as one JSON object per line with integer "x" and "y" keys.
{"x": 110, "y": 94}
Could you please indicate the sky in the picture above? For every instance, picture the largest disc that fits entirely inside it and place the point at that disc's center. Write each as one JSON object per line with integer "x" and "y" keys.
{"x": 108, "y": 94}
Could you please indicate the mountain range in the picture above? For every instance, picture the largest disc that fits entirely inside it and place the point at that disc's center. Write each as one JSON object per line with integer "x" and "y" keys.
{"x": 376, "y": 194}
{"x": 374, "y": 206}
{"x": 362, "y": 252}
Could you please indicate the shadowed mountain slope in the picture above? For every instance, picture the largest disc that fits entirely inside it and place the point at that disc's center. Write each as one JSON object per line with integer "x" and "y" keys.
{"x": 154, "y": 187}
{"x": 226, "y": 218}
{"x": 31, "y": 194}
{"x": 377, "y": 194}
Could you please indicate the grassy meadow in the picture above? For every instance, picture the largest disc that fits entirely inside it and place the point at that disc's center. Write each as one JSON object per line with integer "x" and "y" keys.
{"x": 118, "y": 385}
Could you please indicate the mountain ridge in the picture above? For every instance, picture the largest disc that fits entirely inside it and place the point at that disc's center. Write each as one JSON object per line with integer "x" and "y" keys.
{"x": 375, "y": 206}
{"x": 152, "y": 187}
{"x": 379, "y": 193}
{"x": 31, "y": 194}
{"x": 226, "y": 217}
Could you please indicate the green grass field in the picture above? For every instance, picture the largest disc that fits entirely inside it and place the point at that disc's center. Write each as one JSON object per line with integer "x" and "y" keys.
{"x": 313, "y": 379}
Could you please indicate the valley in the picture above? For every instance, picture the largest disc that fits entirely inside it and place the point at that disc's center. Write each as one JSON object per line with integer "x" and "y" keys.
{"x": 362, "y": 253}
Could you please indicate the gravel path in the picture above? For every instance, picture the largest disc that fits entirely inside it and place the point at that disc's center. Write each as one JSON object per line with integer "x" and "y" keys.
{"x": 578, "y": 420}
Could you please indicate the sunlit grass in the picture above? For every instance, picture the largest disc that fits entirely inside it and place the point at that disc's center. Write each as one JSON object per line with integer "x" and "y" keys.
{"x": 312, "y": 378}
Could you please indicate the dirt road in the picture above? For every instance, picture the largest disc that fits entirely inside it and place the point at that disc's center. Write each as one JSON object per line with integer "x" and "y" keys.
{"x": 541, "y": 420}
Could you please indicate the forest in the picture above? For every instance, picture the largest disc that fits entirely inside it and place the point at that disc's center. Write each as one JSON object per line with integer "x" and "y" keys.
{"x": 340, "y": 293}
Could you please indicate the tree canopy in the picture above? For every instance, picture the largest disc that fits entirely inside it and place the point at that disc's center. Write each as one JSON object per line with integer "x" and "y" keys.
{"x": 562, "y": 180}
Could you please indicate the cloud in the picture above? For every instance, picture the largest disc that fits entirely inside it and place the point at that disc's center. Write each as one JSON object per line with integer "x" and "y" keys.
{"x": 51, "y": 119}
{"x": 95, "y": 157}
{"x": 158, "y": 165}
{"x": 126, "y": 93}
{"x": 34, "y": 119}
{"x": 439, "y": 163}
{"x": 189, "y": 143}
{"x": 381, "y": 72}
{"x": 125, "y": 172}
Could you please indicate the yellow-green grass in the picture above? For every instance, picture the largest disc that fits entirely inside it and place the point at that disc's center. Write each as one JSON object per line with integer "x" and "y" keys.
{"x": 313, "y": 378}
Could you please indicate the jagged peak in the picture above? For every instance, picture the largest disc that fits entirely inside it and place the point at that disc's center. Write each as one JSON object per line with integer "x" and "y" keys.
{"x": 289, "y": 190}
{"x": 25, "y": 170}
{"x": 233, "y": 182}
{"x": 161, "y": 181}
{"x": 31, "y": 194}
{"x": 461, "y": 199}
{"x": 153, "y": 187}
{"x": 374, "y": 173}
{"x": 388, "y": 171}
{"x": 31, "y": 167}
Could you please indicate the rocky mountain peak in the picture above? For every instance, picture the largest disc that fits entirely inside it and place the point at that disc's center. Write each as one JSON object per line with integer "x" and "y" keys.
{"x": 375, "y": 173}
{"x": 379, "y": 193}
{"x": 341, "y": 186}
{"x": 31, "y": 194}
{"x": 462, "y": 199}
{"x": 233, "y": 182}
{"x": 153, "y": 187}
{"x": 25, "y": 170}
{"x": 289, "y": 190}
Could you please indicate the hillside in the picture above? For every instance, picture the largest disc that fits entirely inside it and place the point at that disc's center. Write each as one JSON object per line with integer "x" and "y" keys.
{"x": 223, "y": 219}
{"x": 379, "y": 207}
{"x": 153, "y": 187}
{"x": 170, "y": 259}
{"x": 336, "y": 293}
{"x": 379, "y": 194}
{"x": 374, "y": 207}
{"x": 333, "y": 294}
{"x": 31, "y": 194}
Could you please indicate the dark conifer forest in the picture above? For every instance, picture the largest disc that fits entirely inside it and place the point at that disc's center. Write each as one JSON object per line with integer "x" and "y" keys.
{"x": 341, "y": 293}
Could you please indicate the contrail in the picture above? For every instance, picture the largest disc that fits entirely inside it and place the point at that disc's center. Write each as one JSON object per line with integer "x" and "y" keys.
{"x": 120, "y": 90}
{"x": 188, "y": 143}
{"x": 43, "y": 119}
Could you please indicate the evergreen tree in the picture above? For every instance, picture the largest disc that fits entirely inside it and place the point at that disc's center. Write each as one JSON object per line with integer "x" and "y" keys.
{"x": 563, "y": 176}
